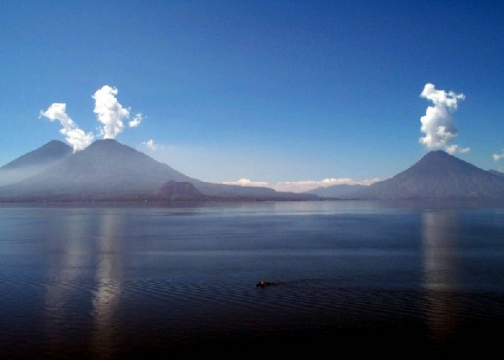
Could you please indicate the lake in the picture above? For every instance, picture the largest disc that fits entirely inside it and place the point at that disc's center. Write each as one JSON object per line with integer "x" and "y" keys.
{"x": 128, "y": 281}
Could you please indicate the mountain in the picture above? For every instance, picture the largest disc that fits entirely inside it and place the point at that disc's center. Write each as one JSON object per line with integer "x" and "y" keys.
{"x": 186, "y": 191}
{"x": 334, "y": 191}
{"x": 109, "y": 170}
{"x": 437, "y": 175}
{"x": 495, "y": 172}
{"x": 34, "y": 162}
{"x": 176, "y": 190}
{"x": 105, "y": 168}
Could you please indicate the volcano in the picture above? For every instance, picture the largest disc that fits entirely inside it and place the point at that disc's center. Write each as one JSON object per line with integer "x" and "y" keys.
{"x": 34, "y": 162}
{"x": 109, "y": 170}
{"x": 438, "y": 175}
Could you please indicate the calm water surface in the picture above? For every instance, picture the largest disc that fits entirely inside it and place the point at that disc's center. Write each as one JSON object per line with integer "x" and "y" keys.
{"x": 117, "y": 281}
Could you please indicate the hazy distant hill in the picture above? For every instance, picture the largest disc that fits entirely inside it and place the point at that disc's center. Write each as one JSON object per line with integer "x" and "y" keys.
{"x": 34, "y": 162}
{"x": 109, "y": 170}
{"x": 334, "y": 191}
{"x": 176, "y": 190}
{"x": 437, "y": 175}
{"x": 495, "y": 172}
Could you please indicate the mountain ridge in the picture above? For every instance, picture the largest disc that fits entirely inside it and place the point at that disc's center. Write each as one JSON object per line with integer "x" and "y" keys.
{"x": 108, "y": 170}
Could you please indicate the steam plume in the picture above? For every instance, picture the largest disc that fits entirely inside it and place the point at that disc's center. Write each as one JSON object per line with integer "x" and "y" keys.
{"x": 437, "y": 123}
{"x": 74, "y": 136}
{"x": 110, "y": 113}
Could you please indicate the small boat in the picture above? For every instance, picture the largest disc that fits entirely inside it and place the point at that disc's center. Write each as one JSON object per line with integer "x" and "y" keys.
{"x": 263, "y": 283}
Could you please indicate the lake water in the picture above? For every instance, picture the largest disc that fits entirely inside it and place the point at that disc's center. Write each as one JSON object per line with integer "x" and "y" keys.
{"x": 120, "y": 281}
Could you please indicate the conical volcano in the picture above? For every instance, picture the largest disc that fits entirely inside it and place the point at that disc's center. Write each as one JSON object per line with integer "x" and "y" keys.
{"x": 34, "y": 162}
{"x": 438, "y": 175}
{"x": 105, "y": 169}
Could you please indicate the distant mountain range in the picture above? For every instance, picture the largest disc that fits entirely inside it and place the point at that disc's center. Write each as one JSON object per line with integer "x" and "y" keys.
{"x": 108, "y": 170}
{"x": 334, "y": 191}
{"x": 437, "y": 175}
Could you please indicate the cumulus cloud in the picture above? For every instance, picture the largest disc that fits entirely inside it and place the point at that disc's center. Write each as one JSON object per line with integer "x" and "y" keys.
{"x": 136, "y": 120}
{"x": 497, "y": 157}
{"x": 74, "y": 136}
{"x": 151, "y": 145}
{"x": 301, "y": 186}
{"x": 110, "y": 113}
{"x": 438, "y": 123}
{"x": 452, "y": 149}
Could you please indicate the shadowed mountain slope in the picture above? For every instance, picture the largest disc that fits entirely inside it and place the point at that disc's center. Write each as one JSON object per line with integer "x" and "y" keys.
{"x": 495, "y": 172}
{"x": 437, "y": 175}
{"x": 173, "y": 190}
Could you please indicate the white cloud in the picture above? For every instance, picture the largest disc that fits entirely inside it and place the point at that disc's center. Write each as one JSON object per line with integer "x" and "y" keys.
{"x": 437, "y": 123}
{"x": 346, "y": 181}
{"x": 497, "y": 157}
{"x": 136, "y": 120}
{"x": 247, "y": 182}
{"x": 151, "y": 145}
{"x": 109, "y": 112}
{"x": 74, "y": 136}
{"x": 452, "y": 149}
{"x": 301, "y": 186}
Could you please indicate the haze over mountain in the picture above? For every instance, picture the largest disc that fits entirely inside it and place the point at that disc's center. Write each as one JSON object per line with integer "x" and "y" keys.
{"x": 334, "y": 191}
{"x": 34, "y": 162}
{"x": 178, "y": 190}
{"x": 437, "y": 175}
{"x": 495, "y": 172}
{"x": 109, "y": 170}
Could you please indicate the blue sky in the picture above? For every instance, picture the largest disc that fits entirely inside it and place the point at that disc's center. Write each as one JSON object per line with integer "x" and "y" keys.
{"x": 270, "y": 91}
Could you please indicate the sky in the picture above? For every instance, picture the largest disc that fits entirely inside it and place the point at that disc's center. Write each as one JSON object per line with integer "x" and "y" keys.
{"x": 287, "y": 94}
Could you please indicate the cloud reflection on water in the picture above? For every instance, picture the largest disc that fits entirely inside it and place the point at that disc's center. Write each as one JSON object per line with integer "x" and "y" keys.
{"x": 440, "y": 273}
{"x": 109, "y": 275}
{"x": 84, "y": 271}
{"x": 65, "y": 272}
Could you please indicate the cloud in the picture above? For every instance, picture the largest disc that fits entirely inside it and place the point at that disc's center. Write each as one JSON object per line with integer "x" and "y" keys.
{"x": 74, "y": 136}
{"x": 437, "y": 123}
{"x": 301, "y": 186}
{"x": 346, "y": 181}
{"x": 452, "y": 149}
{"x": 151, "y": 145}
{"x": 247, "y": 182}
{"x": 497, "y": 157}
{"x": 136, "y": 120}
{"x": 109, "y": 112}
